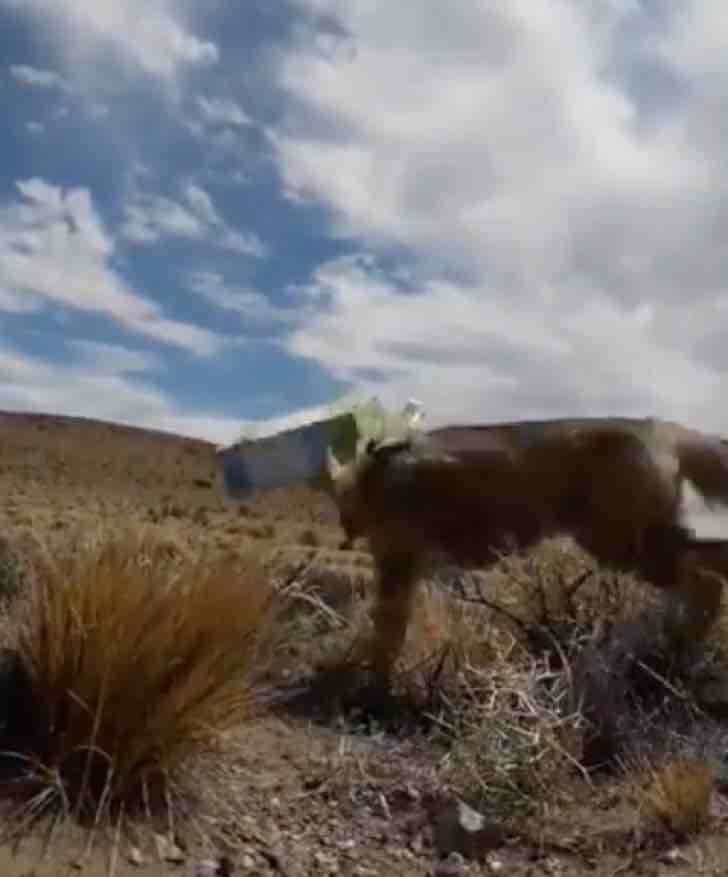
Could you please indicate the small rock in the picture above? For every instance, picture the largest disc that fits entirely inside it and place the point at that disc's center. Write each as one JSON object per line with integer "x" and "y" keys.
{"x": 460, "y": 829}
{"x": 417, "y": 844}
{"x": 412, "y": 793}
{"x": 326, "y": 862}
{"x": 247, "y": 862}
{"x": 204, "y": 868}
{"x": 135, "y": 857}
{"x": 452, "y": 866}
{"x": 675, "y": 855}
{"x": 167, "y": 850}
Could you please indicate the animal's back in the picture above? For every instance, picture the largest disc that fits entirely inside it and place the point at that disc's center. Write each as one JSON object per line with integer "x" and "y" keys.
{"x": 521, "y": 434}
{"x": 473, "y": 489}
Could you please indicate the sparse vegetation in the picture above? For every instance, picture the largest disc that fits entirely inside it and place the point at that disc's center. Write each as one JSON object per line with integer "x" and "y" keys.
{"x": 526, "y": 681}
{"x": 145, "y": 659}
{"x": 13, "y": 572}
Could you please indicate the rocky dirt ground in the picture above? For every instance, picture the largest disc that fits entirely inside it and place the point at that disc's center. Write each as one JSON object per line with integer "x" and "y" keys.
{"x": 464, "y": 772}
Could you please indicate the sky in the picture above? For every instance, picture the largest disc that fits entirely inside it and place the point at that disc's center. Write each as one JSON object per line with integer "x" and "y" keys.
{"x": 222, "y": 216}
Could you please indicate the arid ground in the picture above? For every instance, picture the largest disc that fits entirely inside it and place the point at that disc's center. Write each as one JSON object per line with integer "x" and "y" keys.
{"x": 536, "y": 695}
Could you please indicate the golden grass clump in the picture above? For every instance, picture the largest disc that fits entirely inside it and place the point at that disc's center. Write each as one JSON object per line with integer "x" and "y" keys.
{"x": 440, "y": 629}
{"x": 135, "y": 661}
{"x": 676, "y": 795}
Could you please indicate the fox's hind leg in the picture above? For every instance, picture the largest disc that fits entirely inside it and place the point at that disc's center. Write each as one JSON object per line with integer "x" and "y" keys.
{"x": 695, "y": 603}
{"x": 693, "y": 591}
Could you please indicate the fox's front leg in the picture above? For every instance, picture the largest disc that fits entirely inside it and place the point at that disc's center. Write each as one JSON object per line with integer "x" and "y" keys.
{"x": 397, "y": 580}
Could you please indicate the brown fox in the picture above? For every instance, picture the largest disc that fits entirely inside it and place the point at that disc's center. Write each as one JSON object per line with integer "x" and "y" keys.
{"x": 466, "y": 493}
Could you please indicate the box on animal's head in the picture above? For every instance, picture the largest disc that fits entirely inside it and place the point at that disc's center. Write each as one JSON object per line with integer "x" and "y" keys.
{"x": 295, "y": 456}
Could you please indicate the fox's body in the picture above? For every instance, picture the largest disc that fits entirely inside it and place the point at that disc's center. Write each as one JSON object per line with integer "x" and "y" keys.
{"x": 466, "y": 493}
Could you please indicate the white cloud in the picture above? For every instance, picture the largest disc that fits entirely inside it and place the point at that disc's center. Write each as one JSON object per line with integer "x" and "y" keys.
{"x": 551, "y": 175}
{"x": 149, "y": 217}
{"x": 36, "y": 78}
{"x": 112, "y": 358}
{"x": 107, "y": 381}
{"x": 55, "y": 249}
{"x": 252, "y": 306}
{"x": 49, "y": 80}
{"x": 105, "y": 385}
{"x": 221, "y": 111}
{"x": 470, "y": 354}
{"x": 201, "y": 204}
{"x": 243, "y": 243}
{"x": 147, "y": 36}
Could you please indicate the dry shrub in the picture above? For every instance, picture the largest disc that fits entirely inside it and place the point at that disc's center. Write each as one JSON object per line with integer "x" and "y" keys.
{"x": 318, "y": 609}
{"x": 514, "y": 742}
{"x": 718, "y": 637}
{"x": 261, "y": 531}
{"x": 445, "y": 635}
{"x": 503, "y": 714}
{"x": 676, "y": 795}
{"x": 326, "y": 594}
{"x": 560, "y": 669}
{"x": 135, "y": 662}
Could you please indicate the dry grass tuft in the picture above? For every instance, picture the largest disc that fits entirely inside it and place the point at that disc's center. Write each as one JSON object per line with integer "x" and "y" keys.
{"x": 676, "y": 795}
{"x": 135, "y": 661}
{"x": 445, "y": 636}
{"x": 309, "y": 537}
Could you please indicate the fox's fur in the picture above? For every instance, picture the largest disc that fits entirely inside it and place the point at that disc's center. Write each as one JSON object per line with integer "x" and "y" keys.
{"x": 466, "y": 493}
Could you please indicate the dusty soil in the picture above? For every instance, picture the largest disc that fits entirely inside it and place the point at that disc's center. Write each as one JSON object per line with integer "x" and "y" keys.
{"x": 314, "y": 785}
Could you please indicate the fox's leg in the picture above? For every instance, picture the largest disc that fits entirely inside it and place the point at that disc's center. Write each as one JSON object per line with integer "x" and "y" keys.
{"x": 396, "y": 588}
{"x": 349, "y": 535}
{"x": 694, "y": 605}
{"x": 692, "y": 589}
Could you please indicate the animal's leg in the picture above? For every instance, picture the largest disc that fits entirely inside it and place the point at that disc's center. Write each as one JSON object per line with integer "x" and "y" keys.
{"x": 350, "y": 533}
{"x": 350, "y": 537}
{"x": 692, "y": 588}
{"x": 396, "y": 589}
{"x": 694, "y": 606}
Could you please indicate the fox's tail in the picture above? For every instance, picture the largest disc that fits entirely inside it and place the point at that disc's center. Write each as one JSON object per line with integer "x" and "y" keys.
{"x": 703, "y": 460}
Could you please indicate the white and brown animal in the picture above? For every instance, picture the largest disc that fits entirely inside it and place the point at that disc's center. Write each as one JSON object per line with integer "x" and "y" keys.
{"x": 466, "y": 493}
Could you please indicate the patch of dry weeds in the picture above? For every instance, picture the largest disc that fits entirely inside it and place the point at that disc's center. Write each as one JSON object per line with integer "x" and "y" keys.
{"x": 676, "y": 795}
{"x": 135, "y": 660}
